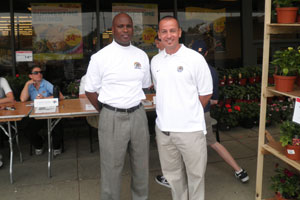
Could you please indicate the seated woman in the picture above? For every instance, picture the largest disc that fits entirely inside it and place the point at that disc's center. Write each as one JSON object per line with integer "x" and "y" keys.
{"x": 39, "y": 88}
{"x": 6, "y": 96}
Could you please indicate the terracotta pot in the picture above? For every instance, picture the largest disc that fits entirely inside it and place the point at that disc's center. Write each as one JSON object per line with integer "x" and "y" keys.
{"x": 286, "y": 15}
{"x": 292, "y": 152}
{"x": 242, "y": 81}
{"x": 298, "y": 79}
{"x": 279, "y": 197}
{"x": 284, "y": 83}
{"x": 222, "y": 82}
{"x": 298, "y": 18}
{"x": 251, "y": 80}
{"x": 230, "y": 81}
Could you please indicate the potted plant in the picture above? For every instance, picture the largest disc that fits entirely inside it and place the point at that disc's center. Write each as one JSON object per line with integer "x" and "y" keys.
{"x": 286, "y": 11}
{"x": 286, "y": 184}
{"x": 286, "y": 62}
{"x": 73, "y": 88}
{"x": 17, "y": 84}
{"x": 226, "y": 116}
{"x": 289, "y": 133}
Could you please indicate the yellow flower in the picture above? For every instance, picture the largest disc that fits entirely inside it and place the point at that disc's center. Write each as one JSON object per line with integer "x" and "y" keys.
{"x": 290, "y": 48}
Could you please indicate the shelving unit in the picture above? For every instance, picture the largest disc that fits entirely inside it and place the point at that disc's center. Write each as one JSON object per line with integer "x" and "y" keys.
{"x": 272, "y": 146}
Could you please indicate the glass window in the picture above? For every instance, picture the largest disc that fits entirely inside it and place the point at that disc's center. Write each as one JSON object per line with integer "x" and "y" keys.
{"x": 218, "y": 24}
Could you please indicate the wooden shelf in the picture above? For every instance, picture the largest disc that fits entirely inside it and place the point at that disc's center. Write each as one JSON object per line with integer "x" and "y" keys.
{"x": 293, "y": 94}
{"x": 282, "y": 28}
{"x": 279, "y": 154}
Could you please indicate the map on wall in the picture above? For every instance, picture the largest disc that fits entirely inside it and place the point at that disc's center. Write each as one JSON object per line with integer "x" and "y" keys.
{"x": 57, "y": 31}
{"x": 145, "y": 20}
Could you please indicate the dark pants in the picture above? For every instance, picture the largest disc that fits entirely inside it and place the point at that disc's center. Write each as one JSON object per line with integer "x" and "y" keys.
{"x": 32, "y": 129}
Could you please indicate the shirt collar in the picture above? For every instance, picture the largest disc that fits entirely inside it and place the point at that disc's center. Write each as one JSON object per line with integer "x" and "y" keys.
{"x": 182, "y": 47}
{"x": 120, "y": 46}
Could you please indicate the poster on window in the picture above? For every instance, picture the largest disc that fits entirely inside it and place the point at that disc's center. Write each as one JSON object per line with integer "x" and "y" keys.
{"x": 145, "y": 20}
{"x": 57, "y": 31}
{"x": 208, "y": 22}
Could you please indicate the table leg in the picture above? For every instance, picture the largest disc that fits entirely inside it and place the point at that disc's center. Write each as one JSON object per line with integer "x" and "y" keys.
{"x": 11, "y": 153}
{"x": 50, "y": 126}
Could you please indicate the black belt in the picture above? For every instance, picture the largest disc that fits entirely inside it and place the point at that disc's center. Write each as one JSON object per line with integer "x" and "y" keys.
{"x": 128, "y": 110}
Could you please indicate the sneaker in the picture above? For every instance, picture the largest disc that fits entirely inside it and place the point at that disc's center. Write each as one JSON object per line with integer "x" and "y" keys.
{"x": 242, "y": 176}
{"x": 162, "y": 181}
{"x": 56, "y": 152}
{"x": 39, "y": 152}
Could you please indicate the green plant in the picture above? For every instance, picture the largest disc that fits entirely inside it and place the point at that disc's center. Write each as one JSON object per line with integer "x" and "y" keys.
{"x": 225, "y": 114}
{"x": 17, "y": 83}
{"x": 287, "y": 61}
{"x": 73, "y": 87}
{"x": 287, "y": 183}
{"x": 288, "y": 131}
{"x": 284, "y": 3}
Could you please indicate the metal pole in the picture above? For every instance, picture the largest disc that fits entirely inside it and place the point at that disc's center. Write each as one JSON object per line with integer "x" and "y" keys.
{"x": 12, "y": 37}
{"x": 98, "y": 24}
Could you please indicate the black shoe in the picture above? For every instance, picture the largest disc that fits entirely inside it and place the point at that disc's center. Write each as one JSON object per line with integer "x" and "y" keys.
{"x": 162, "y": 181}
{"x": 242, "y": 176}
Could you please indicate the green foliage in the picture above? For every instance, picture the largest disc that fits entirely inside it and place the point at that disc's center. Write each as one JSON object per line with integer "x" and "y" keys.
{"x": 288, "y": 131}
{"x": 287, "y": 61}
{"x": 17, "y": 83}
{"x": 73, "y": 88}
{"x": 225, "y": 115}
{"x": 287, "y": 183}
{"x": 285, "y": 3}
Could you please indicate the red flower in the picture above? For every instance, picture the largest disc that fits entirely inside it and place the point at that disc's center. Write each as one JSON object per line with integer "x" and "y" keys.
{"x": 17, "y": 75}
{"x": 288, "y": 173}
{"x": 282, "y": 180}
{"x": 230, "y": 110}
{"x": 238, "y": 108}
{"x": 228, "y": 106}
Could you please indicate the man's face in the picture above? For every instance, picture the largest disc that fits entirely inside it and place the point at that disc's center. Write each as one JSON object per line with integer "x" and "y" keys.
{"x": 169, "y": 33}
{"x": 122, "y": 29}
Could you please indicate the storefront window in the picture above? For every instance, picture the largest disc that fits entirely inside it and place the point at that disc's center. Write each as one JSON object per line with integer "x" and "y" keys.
{"x": 218, "y": 24}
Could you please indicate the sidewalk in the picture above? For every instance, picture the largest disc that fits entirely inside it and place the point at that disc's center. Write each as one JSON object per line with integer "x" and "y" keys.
{"x": 76, "y": 174}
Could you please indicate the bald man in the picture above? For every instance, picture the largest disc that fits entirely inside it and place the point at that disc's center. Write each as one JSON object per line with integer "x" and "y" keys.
{"x": 119, "y": 72}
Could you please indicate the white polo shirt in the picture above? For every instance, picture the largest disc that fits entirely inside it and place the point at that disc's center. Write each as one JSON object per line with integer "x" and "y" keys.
{"x": 4, "y": 87}
{"x": 119, "y": 73}
{"x": 179, "y": 80}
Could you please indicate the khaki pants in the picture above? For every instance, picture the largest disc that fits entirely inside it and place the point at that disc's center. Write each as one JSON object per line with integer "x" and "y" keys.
{"x": 120, "y": 133}
{"x": 183, "y": 158}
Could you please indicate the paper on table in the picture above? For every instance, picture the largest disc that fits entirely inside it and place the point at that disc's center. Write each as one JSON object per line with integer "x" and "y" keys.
{"x": 89, "y": 107}
{"x": 49, "y": 109}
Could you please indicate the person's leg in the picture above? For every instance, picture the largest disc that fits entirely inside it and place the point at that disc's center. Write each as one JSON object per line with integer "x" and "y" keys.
{"x": 222, "y": 151}
{"x": 192, "y": 146}
{"x": 139, "y": 154}
{"x": 114, "y": 136}
{"x": 31, "y": 132}
{"x": 172, "y": 165}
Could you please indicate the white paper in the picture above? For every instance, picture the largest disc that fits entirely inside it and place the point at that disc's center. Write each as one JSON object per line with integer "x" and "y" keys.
{"x": 24, "y": 56}
{"x": 49, "y": 109}
{"x": 89, "y": 107}
{"x": 296, "y": 115}
{"x": 46, "y": 102}
{"x": 147, "y": 103}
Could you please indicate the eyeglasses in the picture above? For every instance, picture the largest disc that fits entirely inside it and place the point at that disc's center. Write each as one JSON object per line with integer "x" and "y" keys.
{"x": 37, "y": 72}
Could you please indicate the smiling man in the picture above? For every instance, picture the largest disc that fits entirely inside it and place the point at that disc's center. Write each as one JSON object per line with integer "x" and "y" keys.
{"x": 183, "y": 86}
{"x": 115, "y": 77}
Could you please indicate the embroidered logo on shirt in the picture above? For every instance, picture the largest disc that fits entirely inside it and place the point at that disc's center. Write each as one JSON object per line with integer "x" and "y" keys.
{"x": 180, "y": 69}
{"x": 137, "y": 65}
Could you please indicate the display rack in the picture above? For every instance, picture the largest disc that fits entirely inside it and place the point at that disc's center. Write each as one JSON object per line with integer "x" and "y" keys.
{"x": 270, "y": 145}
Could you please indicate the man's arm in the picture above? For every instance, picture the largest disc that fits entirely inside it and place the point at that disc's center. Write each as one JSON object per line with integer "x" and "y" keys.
{"x": 9, "y": 98}
{"x": 93, "y": 97}
{"x": 204, "y": 99}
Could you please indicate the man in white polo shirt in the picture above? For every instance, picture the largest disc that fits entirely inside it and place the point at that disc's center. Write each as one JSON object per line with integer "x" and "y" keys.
{"x": 119, "y": 72}
{"x": 183, "y": 86}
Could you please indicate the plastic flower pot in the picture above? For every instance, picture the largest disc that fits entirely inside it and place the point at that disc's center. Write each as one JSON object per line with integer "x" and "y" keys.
{"x": 284, "y": 83}
{"x": 286, "y": 15}
{"x": 292, "y": 152}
